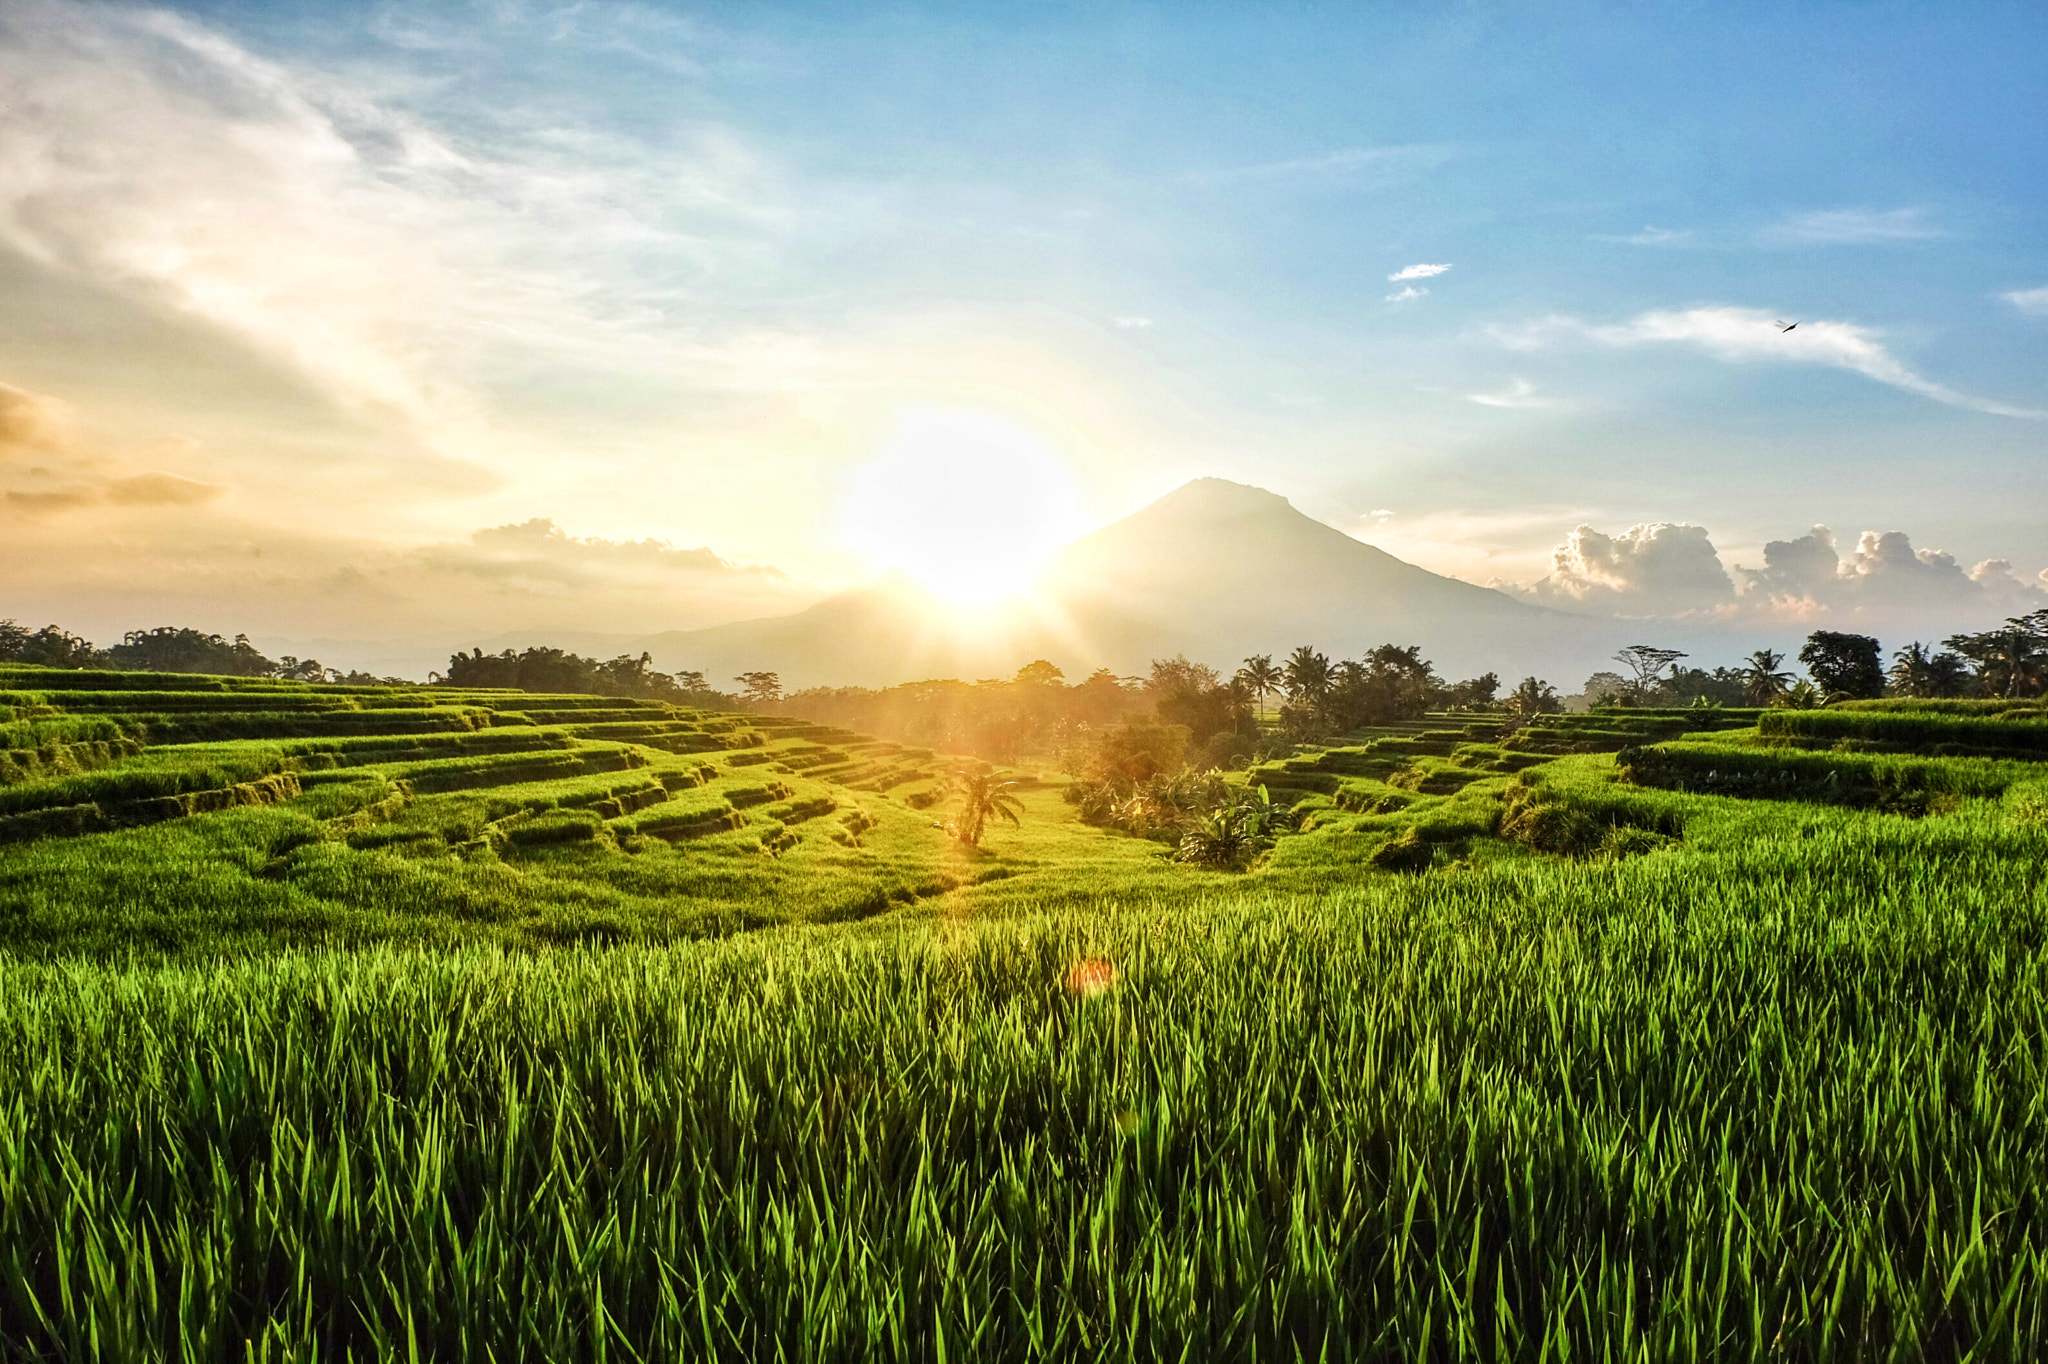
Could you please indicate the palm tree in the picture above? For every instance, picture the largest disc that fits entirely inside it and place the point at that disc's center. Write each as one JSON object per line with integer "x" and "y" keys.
{"x": 982, "y": 798}
{"x": 1307, "y": 677}
{"x": 1259, "y": 674}
{"x": 1761, "y": 681}
{"x": 2012, "y": 660}
{"x": 1532, "y": 696}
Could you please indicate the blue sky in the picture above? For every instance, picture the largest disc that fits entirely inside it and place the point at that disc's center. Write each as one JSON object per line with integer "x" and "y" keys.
{"x": 688, "y": 266}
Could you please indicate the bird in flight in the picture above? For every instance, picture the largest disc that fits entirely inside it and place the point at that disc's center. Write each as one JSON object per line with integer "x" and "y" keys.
{"x": 1785, "y": 326}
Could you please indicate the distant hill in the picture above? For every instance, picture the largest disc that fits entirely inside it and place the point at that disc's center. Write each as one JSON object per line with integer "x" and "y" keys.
{"x": 1215, "y": 570}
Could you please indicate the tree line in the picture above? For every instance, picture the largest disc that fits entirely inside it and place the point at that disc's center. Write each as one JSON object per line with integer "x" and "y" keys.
{"x": 1037, "y": 713}
{"x": 166, "y": 649}
{"x": 2009, "y": 661}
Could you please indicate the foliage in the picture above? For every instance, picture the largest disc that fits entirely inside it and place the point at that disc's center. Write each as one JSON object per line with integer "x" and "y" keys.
{"x": 1646, "y": 664}
{"x": 1843, "y": 665}
{"x": 50, "y": 647}
{"x": 1308, "y": 677}
{"x": 982, "y": 798}
{"x": 1603, "y": 689}
{"x": 542, "y": 669}
{"x": 2011, "y": 660}
{"x": 1193, "y": 697}
{"x": 1261, "y": 678}
{"x": 179, "y": 650}
{"x": 1034, "y": 714}
{"x": 1532, "y": 696}
{"x": 1801, "y": 695}
{"x": 1136, "y": 752}
{"x": 1475, "y": 693}
{"x": 1762, "y": 682}
{"x": 1919, "y": 671}
{"x": 1241, "y": 824}
{"x": 760, "y": 688}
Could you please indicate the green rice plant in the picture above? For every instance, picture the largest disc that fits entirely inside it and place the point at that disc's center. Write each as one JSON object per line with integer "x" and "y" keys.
{"x": 1897, "y": 785}
{"x": 806, "y": 808}
{"x": 151, "y": 776}
{"x": 1915, "y": 731}
{"x": 743, "y": 796}
{"x": 1406, "y": 851}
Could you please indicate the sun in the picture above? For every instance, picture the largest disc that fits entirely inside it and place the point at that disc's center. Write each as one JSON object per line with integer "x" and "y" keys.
{"x": 967, "y": 505}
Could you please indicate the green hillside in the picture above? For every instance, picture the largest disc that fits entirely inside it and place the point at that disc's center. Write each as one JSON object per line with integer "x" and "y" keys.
{"x": 439, "y": 1023}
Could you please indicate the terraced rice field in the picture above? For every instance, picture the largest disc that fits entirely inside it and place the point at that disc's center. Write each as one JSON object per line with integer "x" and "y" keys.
{"x": 433, "y": 1024}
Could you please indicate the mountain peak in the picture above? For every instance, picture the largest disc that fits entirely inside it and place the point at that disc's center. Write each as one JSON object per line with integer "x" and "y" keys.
{"x": 1219, "y": 497}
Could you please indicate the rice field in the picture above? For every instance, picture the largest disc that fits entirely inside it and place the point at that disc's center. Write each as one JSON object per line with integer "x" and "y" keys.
{"x": 1629, "y": 1069}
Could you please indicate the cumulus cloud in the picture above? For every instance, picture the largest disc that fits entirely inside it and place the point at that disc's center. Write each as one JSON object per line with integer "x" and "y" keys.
{"x": 1416, "y": 272}
{"x": 2033, "y": 302}
{"x": 1407, "y": 294}
{"x": 1751, "y": 335}
{"x": 1852, "y": 227}
{"x": 1882, "y": 571}
{"x": 1657, "y": 568}
{"x": 1666, "y": 570}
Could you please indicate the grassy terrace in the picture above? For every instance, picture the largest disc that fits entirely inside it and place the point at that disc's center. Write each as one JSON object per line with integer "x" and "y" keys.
{"x": 580, "y": 1028}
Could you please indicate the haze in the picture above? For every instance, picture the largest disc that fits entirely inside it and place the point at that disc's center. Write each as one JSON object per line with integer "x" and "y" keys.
{"x": 377, "y": 330}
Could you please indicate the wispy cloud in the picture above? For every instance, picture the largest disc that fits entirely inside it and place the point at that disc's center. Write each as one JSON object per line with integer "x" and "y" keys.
{"x": 1745, "y": 335}
{"x": 1416, "y": 272}
{"x": 1384, "y": 162}
{"x": 1132, "y": 322}
{"x": 1408, "y": 293}
{"x": 403, "y": 269}
{"x": 1649, "y": 236}
{"x": 2033, "y": 302}
{"x": 1518, "y": 393}
{"x": 1852, "y": 227}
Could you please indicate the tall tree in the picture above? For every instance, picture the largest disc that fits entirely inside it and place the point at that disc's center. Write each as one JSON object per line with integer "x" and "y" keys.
{"x": 1646, "y": 664}
{"x": 1918, "y": 670}
{"x": 1844, "y": 664}
{"x": 1762, "y": 683}
{"x": 1532, "y": 696}
{"x": 760, "y": 688}
{"x": 175, "y": 649}
{"x": 1307, "y": 677}
{"x": 982, "y": 798}
{"x": 2011, "y": 660}
{"x": 50, "y": 647}
{"x": 1262, "y": 677}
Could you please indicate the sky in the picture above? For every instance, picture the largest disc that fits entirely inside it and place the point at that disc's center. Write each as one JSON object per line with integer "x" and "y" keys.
{"x": 340, "y": 323}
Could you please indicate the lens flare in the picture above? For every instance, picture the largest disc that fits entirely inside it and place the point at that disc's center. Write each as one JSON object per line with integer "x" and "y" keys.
{"x": 967, "y": 505}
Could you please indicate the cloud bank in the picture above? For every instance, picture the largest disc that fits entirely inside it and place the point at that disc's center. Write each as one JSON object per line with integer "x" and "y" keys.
{"x": 1666, "y": 570}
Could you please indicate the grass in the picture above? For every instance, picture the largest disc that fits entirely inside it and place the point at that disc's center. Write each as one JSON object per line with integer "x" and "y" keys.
{"x": 1502, "y": 1058}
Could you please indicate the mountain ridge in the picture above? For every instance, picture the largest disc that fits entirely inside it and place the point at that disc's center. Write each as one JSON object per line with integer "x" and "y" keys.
{"x": 1215, "y": 569}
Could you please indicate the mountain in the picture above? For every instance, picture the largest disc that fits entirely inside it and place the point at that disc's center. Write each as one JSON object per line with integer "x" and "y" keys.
{"x": 1215, "y": 570}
